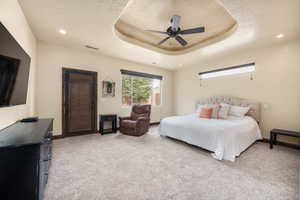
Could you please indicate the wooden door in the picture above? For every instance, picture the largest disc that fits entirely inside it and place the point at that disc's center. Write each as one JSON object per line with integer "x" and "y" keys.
{"x": 79, "y": 102}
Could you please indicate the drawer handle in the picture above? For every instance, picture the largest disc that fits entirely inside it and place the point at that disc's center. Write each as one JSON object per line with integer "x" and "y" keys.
{"x": 48, "y": 159}
{"x": 47, "y": 139}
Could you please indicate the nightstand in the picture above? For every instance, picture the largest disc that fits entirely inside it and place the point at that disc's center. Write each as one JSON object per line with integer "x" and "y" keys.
{"x": 275, "y": 132}
{"x": 104, "y": 118}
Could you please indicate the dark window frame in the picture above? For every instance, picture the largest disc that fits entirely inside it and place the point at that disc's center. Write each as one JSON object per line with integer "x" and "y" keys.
{"x": 140, "y": 74}
{"x": 227, "y": 68}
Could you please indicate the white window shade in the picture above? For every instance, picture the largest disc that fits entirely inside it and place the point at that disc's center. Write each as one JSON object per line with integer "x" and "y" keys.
{"x": 246, "y": 68}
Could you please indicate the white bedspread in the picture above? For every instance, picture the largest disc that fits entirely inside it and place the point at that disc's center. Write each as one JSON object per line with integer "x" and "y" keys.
{"x": 226, "y": 138}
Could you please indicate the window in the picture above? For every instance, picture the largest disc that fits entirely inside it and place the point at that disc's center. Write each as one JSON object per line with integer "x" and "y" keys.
{"x": 247, "y": 68}
{"x": 140, "y": 88}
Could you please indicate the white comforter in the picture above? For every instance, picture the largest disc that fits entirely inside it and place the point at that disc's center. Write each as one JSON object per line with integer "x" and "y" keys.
{"x": 226, "y": 138}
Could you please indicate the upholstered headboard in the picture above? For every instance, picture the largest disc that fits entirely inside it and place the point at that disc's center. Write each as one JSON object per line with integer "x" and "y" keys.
{"x": 254, "y": 106}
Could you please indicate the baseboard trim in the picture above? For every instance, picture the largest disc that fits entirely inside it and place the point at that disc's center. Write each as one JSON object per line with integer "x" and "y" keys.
{"x": 294, "y": 146}
{"x": 56, "y": 137}
{"x": 154, "y": 123}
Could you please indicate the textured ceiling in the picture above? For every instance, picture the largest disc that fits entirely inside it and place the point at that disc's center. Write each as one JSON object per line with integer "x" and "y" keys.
{"x": 140, "y": 16}
{"x": 91, "y": 22}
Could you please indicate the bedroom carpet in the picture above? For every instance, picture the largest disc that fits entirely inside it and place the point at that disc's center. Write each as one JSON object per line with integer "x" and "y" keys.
{"x": 119, "y": 167}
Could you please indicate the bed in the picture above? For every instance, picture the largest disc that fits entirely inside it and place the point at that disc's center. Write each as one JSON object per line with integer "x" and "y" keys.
{"x": 227, "y": 139}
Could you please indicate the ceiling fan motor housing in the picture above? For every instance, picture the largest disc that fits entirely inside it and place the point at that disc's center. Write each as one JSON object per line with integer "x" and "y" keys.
{"x": 172, "y": 33}
{"x": 175, "y": 22}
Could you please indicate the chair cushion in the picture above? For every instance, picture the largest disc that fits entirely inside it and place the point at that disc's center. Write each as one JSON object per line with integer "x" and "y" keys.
{"x": 129, "y": 123}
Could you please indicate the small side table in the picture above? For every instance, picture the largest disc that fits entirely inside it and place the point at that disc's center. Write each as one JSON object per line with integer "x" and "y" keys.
{"x": 104, "y": 118}
{"x": 275, "y": 132}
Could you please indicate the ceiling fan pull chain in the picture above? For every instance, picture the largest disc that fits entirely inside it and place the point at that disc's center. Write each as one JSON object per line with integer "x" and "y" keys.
{"x": 251, "y": 76}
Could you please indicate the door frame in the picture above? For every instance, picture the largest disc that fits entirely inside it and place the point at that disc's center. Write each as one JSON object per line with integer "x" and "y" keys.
{"x": 65, "y": 72}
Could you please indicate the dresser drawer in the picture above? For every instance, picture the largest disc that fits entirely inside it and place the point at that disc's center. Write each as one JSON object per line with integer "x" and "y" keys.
{"x": 43, "y": 177}
{"x": 44, "y": 167}
{"x": 46, "y": 152}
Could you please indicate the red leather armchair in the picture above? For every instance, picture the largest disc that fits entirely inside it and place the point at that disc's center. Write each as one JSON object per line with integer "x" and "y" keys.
{"x": 139, "y": 121}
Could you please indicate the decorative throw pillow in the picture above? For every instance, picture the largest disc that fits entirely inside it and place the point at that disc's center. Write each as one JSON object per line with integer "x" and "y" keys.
{"x": 223, "y": 111}
{"x": 206, "y": 113}
{"x": 238, "y": 111}
{"x": 215, "y": 108}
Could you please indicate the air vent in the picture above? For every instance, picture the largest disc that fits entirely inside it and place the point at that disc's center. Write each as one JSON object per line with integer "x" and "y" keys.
{"x": 91, "y": 47}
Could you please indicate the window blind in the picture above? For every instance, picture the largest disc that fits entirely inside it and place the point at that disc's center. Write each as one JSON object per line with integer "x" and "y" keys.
{"x": 245, "y": 68}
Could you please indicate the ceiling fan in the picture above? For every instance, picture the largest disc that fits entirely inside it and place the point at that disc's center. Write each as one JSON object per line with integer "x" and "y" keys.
{"x": 174, "y": 31}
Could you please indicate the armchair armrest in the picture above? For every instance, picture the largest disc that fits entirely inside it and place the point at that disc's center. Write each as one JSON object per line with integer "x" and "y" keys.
{"x": 143, "y": 121}
{"x": 142, "y": 124}
{"x": 124, "y": 118}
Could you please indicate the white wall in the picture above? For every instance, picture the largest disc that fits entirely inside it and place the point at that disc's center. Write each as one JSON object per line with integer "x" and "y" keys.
{"x": 276, "y": 84}
{"x": 51, "y": 60}
{"x": 14, "y": 20}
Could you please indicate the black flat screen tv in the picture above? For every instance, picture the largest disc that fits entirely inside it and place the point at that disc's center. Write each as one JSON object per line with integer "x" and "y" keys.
{"x": 14, "y": 70}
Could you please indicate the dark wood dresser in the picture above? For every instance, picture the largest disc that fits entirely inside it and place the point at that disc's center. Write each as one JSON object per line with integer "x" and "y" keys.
{"x": 25, "y": 158}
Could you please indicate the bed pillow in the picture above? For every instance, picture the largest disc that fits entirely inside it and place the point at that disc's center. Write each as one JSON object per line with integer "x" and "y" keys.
{"x": 214, "y": 106}
{"x": 199, "y": 107}
{"x": 206, "y": 113}
{"x": 223, "y": 111}
{"x": 238, "y": 111}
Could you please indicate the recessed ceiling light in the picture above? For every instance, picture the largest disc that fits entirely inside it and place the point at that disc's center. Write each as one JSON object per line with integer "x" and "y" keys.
{"x": 62, "y": 31}
{"x": 280, "y": 35}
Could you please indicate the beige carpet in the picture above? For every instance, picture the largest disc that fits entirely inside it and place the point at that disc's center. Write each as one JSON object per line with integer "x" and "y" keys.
{"x": 118, "y": 167}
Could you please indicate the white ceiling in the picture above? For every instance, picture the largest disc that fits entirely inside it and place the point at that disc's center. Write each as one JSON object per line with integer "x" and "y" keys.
{"x": 91, "y": 22}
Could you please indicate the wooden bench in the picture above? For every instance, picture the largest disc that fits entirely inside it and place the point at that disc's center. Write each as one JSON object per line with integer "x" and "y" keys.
{"x": 275, "y": 132}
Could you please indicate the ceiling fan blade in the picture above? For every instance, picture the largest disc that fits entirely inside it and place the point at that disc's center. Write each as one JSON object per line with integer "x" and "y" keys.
{"x": 162, "y": 32}
{"x": 193, "y": 30}
{"x": 181, "y": 40}
{"x": 175, "y": 21}
{"x": 163, "y": 40}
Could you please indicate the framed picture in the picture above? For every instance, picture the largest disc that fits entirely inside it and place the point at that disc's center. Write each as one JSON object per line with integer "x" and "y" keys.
{"x": 108, "y": 88}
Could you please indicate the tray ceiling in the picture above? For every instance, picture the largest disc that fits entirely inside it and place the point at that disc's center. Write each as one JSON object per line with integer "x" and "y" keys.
{"x": 92, "y": 23}
{"x": 139, "y": 16}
